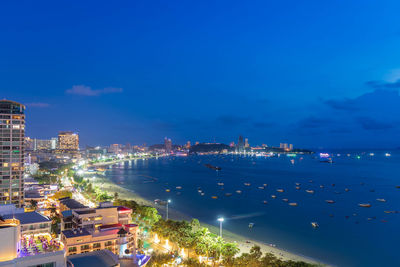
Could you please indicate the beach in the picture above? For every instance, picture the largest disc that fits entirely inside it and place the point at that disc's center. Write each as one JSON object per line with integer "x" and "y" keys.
{"x": 244, "y": 243}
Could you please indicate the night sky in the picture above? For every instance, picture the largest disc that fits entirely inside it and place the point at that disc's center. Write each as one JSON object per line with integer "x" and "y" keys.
{"x": 312, "y": 73}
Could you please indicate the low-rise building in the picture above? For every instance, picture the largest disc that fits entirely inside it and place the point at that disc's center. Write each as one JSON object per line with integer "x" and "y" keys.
{"x": 18, "y": 251}
{"x": 105, "y": 214}
{"x": 68, "y": 203}
{"x": 119, "y": 239}
{"x": 31, "y": 222}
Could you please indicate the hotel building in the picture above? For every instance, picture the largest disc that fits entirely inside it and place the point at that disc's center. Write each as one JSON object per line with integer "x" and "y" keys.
{"x": 12, "y": 134}
{"x": 68, "y": 141}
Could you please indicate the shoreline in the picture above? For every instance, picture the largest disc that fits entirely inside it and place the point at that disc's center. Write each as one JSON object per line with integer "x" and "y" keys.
{"x": 106, "y": 184}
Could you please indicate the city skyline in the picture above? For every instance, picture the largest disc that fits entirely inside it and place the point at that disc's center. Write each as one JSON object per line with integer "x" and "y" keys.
{"x": 311, "y": 75}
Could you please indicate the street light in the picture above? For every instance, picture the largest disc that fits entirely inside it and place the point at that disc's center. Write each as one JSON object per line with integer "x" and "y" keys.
{"x": 168, "y": 201}
{"x": 221, "y": 219}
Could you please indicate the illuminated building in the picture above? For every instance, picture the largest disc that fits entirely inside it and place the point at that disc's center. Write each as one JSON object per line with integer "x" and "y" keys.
{"x": 168, "y": 144}
{"x": 188, "y": 145}
{"x": 18, "y": 251}
{"x": 12, "y": 145}
{"x": 117, "y": 238}
{"x": 68, "y": 141}
{"x": 240, "y": 145}
{"x": 246, "y": 143}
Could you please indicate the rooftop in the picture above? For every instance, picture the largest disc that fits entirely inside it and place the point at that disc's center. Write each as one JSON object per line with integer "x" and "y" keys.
{"x": 101, "y": 258}
{"x": 28, "y": 217}
{"x": 72, "y": 203}
{"x": 86, "y": 211}
{"x": 75, "y": 233}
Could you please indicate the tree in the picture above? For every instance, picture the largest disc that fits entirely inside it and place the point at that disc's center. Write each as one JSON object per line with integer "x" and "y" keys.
{"x": 229, "y": 250}
{"x": 62, "y": 194}
{"x": 116, "y": 195}
{"x": 33, "y": 204}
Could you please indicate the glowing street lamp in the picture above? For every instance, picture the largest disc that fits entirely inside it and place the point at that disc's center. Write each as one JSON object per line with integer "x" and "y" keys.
{"x": 168, "y": 201}
{"x": 221, "y": 219}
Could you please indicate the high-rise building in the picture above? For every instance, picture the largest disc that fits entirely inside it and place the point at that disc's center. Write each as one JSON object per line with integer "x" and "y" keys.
{"x": 188, "y": 145}
{"x": 168, "y": 144}
{"x": 246, "y": 143}
{"x": 12, "y": 149}
{"x": 68, "y": 141}
{"x": 240, "y": 145}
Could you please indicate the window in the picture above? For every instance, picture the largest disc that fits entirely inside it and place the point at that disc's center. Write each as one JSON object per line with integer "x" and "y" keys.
{"x": 108, "y": 243}
{"x": 85, "y": 247}
{"x": 72, "y": 249}
{"x": 96, "y": 245}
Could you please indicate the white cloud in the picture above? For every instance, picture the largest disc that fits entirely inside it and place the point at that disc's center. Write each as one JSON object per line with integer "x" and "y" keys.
{"x": 88, "y": 91}
{"x": 38, "y": 105}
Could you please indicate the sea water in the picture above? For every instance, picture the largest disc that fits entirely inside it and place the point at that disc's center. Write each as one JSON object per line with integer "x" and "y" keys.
{"x": 348, "y": 235}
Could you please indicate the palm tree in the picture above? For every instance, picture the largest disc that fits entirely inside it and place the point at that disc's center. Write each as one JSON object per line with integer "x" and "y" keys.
{"x": 33, "y": 203}
{"x": 229, "y": 250}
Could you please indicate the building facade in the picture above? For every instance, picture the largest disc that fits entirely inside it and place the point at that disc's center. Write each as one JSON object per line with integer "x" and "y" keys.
{"x": 12, "y": 146}
{"x": 68, "y": 141}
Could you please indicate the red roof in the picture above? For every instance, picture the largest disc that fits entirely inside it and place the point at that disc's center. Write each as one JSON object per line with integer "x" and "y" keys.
{"x": 122, "y": 208}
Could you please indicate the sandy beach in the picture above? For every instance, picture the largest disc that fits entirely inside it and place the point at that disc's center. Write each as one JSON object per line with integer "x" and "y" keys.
{"x": 244, "y": 246}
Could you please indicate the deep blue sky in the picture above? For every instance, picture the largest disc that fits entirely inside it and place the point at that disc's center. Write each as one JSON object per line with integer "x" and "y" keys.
{"x": 313, "y": 73}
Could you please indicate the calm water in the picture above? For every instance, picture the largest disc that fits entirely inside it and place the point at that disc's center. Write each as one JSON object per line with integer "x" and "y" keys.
{"x": 352, "y": 241}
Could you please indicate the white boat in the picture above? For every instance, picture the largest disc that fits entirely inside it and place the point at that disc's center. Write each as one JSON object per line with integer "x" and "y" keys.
{"x": 273, "y": 196}
{"x": 280, "y": 190}
{"x": 285, "y": 199}
{"x": 179, "y": 187}
{"x": 293, "y": 204}
{"x": 221, "y": 184}
{"x": 364, "y": 205}
{"x": 330, "y": 201}
{"x": 238, "y": 191}
{"x": 261, "y": 187}
{"x": 314, "y": 224}
{"x": 298, "y": 187}
{"x": 247, "y": 184}
{"x": 381, "y": 199}
{"x": 265, "y": 202}
{"x": 310, "y": 191}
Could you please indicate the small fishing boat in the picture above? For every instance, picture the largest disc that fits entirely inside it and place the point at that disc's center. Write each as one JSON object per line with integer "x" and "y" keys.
{"x": 330, "y": 201}
{"x": 321, "y": 186}
{"x": 285, "y": 199}
{"x": 314, "y": 224}
{"x": 310, "y": 191}
{"x": 214, "y": 197}
{"x": 381, "y": 199}
{"x": 346, "y": 189}
{"x": 297, "y": 184}
{"x": 280, "y": 190}
{"x": 265, "y": 185}
{"x": 261, "y": 187}
{"x": 293, "y": 204}
{"x": 247, "y": 184}
{"x": 228, "y": 194}
{"x": 238, "y": 191}
{"x": 221, "y": 184}
{"x": 167, "y": 190}
{"x": 391, "y": 211}
{"x": 265, "y": 202}
{"x": 202, "y": 194}
{"x": 364, "y": 205}
{"x": 298, "y": 187}
{"x": 179, "y": 187}
{"x": 273, "y": 196}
